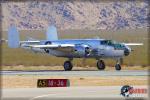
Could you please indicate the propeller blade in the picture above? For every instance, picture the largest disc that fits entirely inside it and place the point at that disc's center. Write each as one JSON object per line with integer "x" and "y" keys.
{"x": 121, "y": 61}
{"x": 84, "y": 61}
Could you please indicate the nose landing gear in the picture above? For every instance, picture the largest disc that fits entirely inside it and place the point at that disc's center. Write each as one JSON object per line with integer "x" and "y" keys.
{"x": 118, "y": 66}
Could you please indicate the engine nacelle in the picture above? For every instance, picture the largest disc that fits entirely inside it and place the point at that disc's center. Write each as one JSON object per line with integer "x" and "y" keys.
{"x": 46, "y": 43}
{"x": 82, "y": 51}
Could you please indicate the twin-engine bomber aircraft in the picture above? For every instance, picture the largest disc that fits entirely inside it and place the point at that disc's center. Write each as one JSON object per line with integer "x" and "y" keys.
{"x": 73, "y": 48}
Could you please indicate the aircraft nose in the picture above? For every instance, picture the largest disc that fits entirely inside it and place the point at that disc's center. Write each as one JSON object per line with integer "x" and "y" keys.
{"x": 127, "y": 51}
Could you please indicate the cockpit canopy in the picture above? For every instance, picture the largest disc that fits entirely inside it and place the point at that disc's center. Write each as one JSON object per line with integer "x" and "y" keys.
{"x": 115, "y": 44}
{"x": 107, "y": 42}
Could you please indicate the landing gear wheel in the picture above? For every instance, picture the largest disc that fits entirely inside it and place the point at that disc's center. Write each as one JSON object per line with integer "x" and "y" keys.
{"x": 68, "y": 66}
{"x": 117, "y": 67}
{"x": 100, "y": 65}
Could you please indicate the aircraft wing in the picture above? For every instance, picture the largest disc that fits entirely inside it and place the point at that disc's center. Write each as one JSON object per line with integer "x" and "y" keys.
{"x": 52, "y": 46}
{"x": 133, "y": 44}
{"x": 60, "y": 47}
{"x": 29, "y": 41}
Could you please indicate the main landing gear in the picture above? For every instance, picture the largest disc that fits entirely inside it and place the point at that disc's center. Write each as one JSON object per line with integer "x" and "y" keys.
{"x": 101, "y": 65}
{"x": 68, "y": 65}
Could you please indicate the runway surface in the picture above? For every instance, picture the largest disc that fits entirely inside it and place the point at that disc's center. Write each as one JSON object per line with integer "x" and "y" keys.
{"x": 79, "y": 73}
{"x": 69, "y": 92}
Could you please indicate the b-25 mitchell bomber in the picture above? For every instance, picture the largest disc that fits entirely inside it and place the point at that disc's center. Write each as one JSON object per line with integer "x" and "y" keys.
{"x": 73, "y": 48}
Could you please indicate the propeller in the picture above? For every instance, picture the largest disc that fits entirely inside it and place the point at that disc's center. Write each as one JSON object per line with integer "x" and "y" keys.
{"x": 84, "y": 61}
{"x": 88, "y": 51}
{"x": 46, "y": 43}
{"x": 121, "y": 61}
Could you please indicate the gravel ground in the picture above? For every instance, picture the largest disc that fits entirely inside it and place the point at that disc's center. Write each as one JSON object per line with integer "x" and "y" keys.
{"x": 30, "y": 81}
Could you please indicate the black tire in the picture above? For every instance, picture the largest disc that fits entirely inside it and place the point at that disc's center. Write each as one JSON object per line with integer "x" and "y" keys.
{"x": 117, "y": 67}
{"x": 100, "y": 65}
{"x": 68, "y": 66}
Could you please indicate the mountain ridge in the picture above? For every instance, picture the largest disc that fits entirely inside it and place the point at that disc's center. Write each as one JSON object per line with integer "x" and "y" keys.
{"x": 130, "y": 14}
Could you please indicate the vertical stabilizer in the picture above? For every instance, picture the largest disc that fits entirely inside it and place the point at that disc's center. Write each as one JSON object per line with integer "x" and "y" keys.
{"x": 51, "y": 33}
{"x": 13, "y": 37}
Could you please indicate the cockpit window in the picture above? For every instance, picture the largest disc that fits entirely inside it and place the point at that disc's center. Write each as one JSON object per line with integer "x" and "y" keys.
{"x": 107, "y": 42}
{"x": 115, "y": 44}
{"x": 103, "y": 42}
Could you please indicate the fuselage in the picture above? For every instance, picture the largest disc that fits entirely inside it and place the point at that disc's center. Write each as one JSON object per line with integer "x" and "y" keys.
{"x": 100, "y": 48}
